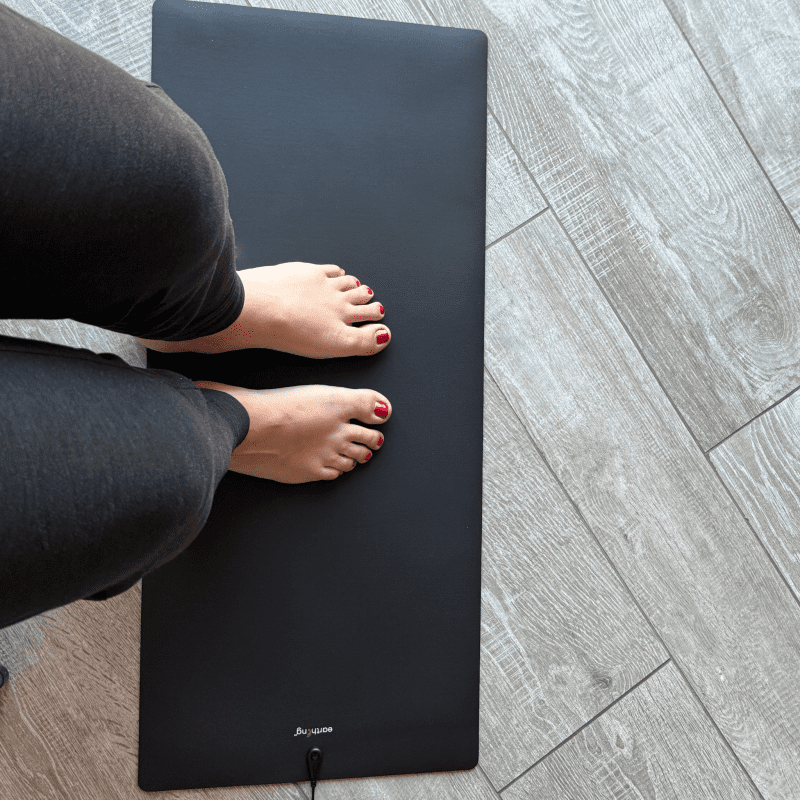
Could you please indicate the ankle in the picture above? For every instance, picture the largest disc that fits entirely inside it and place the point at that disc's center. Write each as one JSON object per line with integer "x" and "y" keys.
{"x": 219, "y": 342}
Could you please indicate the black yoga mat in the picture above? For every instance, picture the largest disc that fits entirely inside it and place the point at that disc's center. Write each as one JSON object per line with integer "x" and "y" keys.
{"x": 342, "y": 614}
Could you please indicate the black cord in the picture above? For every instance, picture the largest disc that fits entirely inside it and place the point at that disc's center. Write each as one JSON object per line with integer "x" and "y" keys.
{"x": 314, "y": 760}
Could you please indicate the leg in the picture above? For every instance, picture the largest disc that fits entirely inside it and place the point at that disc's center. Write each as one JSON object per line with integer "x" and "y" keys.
{"x": 108, "y": 472}
{"x": 113, "y": 212}
{"x": 113, "y": 206}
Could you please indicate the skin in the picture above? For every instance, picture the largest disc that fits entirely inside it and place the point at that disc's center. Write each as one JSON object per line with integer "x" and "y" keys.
{"x": 300, "y": 433}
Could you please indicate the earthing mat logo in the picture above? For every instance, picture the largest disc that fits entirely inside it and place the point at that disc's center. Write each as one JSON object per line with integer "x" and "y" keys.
{"x": 309, "y": 731}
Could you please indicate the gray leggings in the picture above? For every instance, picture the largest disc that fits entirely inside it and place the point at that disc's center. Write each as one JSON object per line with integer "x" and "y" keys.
{"x": 113, "y": 212}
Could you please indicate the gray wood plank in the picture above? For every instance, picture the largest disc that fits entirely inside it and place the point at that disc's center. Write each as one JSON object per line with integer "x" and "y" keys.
{"x": 760, "y": 464}
{"x": 119, "y": 30}
{"x": 561, "y": 636}
{"x": 78, "y": 335}
{"x": 751, "y": 51}
{"x": 635, "y": 153}
{"x": 562, "y": 359}
{"x": 561, "y": 639}
{"x": 655, "y": 743}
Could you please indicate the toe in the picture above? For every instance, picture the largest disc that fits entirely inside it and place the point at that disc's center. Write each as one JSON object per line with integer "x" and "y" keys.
{"x": 343, "y": 463}
{"x": 355, "y": 451}
{"x": 359, "y": 295}
{"x": 346, "y": 282}
{"x": 374, "y": 407}
{"x": 372, "y": 338}
{"x": 371, "y": 438}
{"x": 359, "y": 313}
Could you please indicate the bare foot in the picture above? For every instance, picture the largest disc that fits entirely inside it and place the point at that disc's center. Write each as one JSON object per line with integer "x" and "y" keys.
{"x": 297, "y": 307}
{"x": 303, "y": 433}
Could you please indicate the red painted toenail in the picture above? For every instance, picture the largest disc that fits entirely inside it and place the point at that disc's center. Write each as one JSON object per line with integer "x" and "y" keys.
{"x": 381, "y": 309}
{"x": 382, "y": 410}
{"x": 382, "y": 337}
{"x": 358, "y": 283}
{"x": 369, "y": 291}
{"x": 380, "y": 441}
{"x": 369, "y": 456}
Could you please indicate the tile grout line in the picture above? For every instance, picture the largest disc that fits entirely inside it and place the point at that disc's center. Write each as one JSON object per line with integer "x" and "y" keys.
{"x": 301, "y": 791}
{"x": 761, "y": 543}
{"x": 587, "y": 723}
{"x": 486, "y": 778}
{"x": 514, "y": 230}
{"x": 630, "y": 594}
{"x": 750, "y": 421}
{"x": 732, "y": 118}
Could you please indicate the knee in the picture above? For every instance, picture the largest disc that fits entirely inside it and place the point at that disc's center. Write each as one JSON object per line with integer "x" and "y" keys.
{"x": 185, "y": 187}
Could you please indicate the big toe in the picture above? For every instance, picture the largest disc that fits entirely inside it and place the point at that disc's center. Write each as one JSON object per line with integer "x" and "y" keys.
{"x": 372, "y": 339}
{"x": 372, "y": 407}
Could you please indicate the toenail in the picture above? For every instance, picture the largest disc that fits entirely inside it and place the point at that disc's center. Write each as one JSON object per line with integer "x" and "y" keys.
{"x": 381, "y": 309}
{"x": 382, "y": 337}
{"x": 369, "y": 291}
{"x": 380, "y": 441}
{"x": 382, "y": 410}
{"x": 369, "y": 456}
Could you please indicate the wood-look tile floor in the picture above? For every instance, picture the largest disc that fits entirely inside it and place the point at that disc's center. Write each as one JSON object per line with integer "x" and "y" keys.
{"x": 641, "y": 564}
